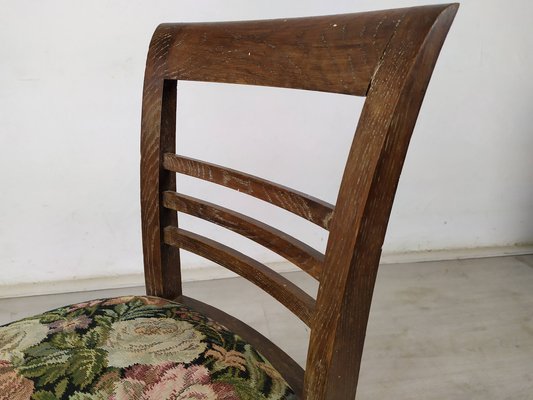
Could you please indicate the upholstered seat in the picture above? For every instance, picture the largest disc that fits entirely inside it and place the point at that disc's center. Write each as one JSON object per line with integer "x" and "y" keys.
{"x": 135, "y": 347}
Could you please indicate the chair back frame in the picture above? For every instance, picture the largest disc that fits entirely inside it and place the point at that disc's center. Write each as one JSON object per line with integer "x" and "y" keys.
{"x": 388, "y": 57}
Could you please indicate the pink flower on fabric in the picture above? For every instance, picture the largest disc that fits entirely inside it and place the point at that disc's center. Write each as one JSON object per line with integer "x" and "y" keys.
{"x": 118, "y": 300}
{"x": 12, "y": 385}
{"x": 149, "y": 374}
{"x": 172, "y": 383}
{"x": 70, "y": 325}
{"x": 85, "y": 304}
{"x": 182, "y": 383}
{"x": 155, "y": 301}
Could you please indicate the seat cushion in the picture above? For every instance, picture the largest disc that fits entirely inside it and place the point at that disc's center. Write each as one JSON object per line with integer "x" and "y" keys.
{"x": 134, "y": 347}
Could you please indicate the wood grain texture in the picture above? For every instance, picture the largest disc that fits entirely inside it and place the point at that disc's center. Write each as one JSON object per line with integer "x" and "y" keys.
{"x": 308, "y": 207}
{"x": 283, "y": 290}
{"x": 162, "y": 272}
{"x": 387, "y": 56}
{"x": 370, "y": 180}
{"x": 297, "y": 252}
{"x": 284, "y": 364}
{"x": 295, "y": 53}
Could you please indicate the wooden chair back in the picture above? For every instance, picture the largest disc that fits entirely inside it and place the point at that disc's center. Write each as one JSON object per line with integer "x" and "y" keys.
{"x": 386, "y": 56}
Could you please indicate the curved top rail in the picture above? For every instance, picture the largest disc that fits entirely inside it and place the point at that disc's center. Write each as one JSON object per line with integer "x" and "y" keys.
{"x": 295, "y": 53}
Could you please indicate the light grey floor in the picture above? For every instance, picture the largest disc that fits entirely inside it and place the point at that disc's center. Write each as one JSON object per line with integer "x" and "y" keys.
{"x": 438, "y": 330}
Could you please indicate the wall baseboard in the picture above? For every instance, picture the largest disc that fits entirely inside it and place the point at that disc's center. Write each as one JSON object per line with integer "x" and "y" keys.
{"x": 215, "y": 272}
{"x": 455, "y": 254}
{"x": 209, "y": 272}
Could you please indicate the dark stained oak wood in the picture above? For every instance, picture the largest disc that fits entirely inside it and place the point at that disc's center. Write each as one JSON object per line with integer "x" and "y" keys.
{"x": 335, "y": 53}
{"x": 301, "y": 204}
{"x": 286, "y": 366}
{"x": 369, "y": 181}
{"x": 387, "y": 56}
{"x": 159, "y": 119}
{"x": 283, "y": 290}
{"x": 300, "y": 254}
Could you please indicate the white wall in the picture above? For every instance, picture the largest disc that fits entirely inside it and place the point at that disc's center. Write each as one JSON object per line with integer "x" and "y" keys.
{"x": 71, "y": 76}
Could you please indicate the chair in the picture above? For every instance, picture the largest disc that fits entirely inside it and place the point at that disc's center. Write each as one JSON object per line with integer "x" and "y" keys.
{"x": 166, "y": 345}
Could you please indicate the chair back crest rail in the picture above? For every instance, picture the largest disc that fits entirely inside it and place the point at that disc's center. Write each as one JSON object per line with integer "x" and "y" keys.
{"x": 388, "y": 57}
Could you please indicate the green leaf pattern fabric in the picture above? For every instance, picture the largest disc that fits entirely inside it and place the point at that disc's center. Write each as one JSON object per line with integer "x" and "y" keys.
{"x": 131, "y": 348}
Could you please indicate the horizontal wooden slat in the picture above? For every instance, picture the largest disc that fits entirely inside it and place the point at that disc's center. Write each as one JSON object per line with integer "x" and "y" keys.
{"x": 284, "y": 364}
{"x": 308, "y": 207}
{"x": 297, "y": 252}
{"x": 283, "y": 290}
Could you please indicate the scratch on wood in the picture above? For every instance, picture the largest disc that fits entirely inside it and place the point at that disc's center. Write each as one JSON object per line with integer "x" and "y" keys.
{"x": 382, "y": 57}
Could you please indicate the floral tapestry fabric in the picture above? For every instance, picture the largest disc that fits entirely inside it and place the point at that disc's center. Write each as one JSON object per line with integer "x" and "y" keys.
{"x": 131, "y": 348}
